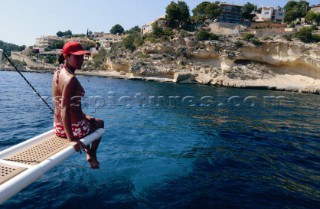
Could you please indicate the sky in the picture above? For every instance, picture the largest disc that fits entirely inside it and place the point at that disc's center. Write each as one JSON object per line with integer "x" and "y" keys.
{"x": 22, "y": 21}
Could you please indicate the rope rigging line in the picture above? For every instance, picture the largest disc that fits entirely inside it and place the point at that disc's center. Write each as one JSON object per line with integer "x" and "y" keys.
{"x": 1, "y": 52}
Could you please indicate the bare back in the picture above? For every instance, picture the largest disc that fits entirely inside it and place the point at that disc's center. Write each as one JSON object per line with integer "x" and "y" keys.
{"x": 67, "y": 93}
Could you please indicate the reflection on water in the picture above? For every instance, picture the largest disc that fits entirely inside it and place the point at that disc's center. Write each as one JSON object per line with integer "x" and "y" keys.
{"x": 225, "y": 154}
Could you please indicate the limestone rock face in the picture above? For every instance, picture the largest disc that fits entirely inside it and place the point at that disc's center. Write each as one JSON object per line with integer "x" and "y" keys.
{"x": 142, "y": 69}
{"x": 179, "y": 41}
{"x": 204, "y": 54}
{"x": 203, "y": 78}
{"x": 289, "y": 57}
{"x": 118, "y": 65}
{"x": 184, "y": 59}
{"x": 158, "y": 48}
{"x": 190, "y": 42}
{"x": 181, "y": 77}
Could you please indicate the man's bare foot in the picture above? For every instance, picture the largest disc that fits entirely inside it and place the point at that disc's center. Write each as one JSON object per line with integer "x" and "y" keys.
{"x": 93, "y": 162}
{"x": 95, "y": 157}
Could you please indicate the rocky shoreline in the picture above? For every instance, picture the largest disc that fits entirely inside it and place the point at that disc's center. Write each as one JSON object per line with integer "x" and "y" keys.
{"x": 230, "y": 62}
{"x": 271, "y": 63}
{"x": 270, "y": 81}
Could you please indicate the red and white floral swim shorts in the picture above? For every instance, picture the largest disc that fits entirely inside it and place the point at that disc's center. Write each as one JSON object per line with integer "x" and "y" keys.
{"x": 80, "y": 129}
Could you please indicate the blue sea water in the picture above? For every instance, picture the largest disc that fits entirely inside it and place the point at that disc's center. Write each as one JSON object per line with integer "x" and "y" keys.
{"x": 173, "y": 146}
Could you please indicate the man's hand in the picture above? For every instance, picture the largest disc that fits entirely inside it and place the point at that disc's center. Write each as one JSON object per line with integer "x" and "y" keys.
{"x": 78, "y": 145}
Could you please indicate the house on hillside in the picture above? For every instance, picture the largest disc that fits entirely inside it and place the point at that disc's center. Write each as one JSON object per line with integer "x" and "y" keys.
{"x": 46, "y": 52}
{"x": 270, "y": 14}
{"x": 46, "y": 41}
{"x": 315, "y": 8}
{"x": 231, "y": 13}
{"x": 147, "y": 28}
{"x": 107, "y": 39}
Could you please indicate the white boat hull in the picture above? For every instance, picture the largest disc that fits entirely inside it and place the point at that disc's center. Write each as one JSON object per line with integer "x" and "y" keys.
{"x": 26, "y": 169}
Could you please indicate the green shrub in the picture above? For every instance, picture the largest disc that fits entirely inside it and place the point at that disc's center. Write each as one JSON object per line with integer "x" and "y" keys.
{"x": 150, "y": 38}
{"x": 50, "y": 60}
{"x": 267, "y": 38}
{"x": 184, "y": 33}
{"x": 255, "y": 41}
{"x": 204, "y": 35}
{"x": 305, "y": 35}
{"x": 316, "y": 38}
{"x": 248, "y": 36}
{"x": 138, "y": 41}
{"x": 288, "y": 37}
{"x": 144, "y": 56}
{"x": 292, "y": 25}
{"x": 238, "y": 44}
{"x": 218, "y": 48}
{"x": 100, "y": 57}
{"x": 163, "y": 39}
{"x": 128, "y": 43}
{"x": 19, "y": 64}
{"x": 214, "y": 37}
{"x": 168, "y": 32}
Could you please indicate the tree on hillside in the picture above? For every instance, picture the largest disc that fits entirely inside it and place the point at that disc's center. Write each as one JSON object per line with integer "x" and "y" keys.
{"x": 66, "y": 34}
{"x": 199, "y": 12}
{"x": 302, "y": 8}
{"x": 59, "y": 33}
{"x": 313, "y": 17}
{"x": 290, "y": 5}
{"x": 133, "y": 40}
{"x": 247, "y": 10}
{"x": 89, "y": 33}
{"x": 99, "y": 58}
{"x": 117, "y": 29}
{"x": 206, "y": 10}
{"x": 21, "y": 48}
{"x": 128, "y": 43}
{"x": 138, "y": 41}
{"x": 134, "y": 29}
{"x": 7, "y": 47}
{"x": 98, "y": 45}
{"x": 184, "y": 11}
{"x": 295, "y": 10}
{"x": 290, "y": 15}
{"x": 213, "y": 10}
{"x": 87, "y": 45}
{"x": 52, "y": 46}
{"x": 156, "y": 30}
{"x": 178, "y": 14}
{"x": 59, "y": 44}
{"x": 310, "y": 16}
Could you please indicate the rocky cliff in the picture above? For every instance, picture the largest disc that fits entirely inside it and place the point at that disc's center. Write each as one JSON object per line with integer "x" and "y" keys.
{"x": 230, "y": 61}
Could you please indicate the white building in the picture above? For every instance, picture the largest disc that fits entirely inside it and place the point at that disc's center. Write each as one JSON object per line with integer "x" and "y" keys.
{"x": 147, "y": 28}
{"x": 270, "y": 14}
{"x": 45, "y": 41}
{"x": 105, "y": 39}
{"x": 315, "y": 8}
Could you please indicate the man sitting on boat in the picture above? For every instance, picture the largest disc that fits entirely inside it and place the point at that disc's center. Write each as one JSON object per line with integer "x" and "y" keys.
{"x": 69, "y": 120}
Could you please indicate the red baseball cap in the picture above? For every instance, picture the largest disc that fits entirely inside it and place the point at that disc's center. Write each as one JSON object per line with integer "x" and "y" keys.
{"x": 75, "y": 48}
